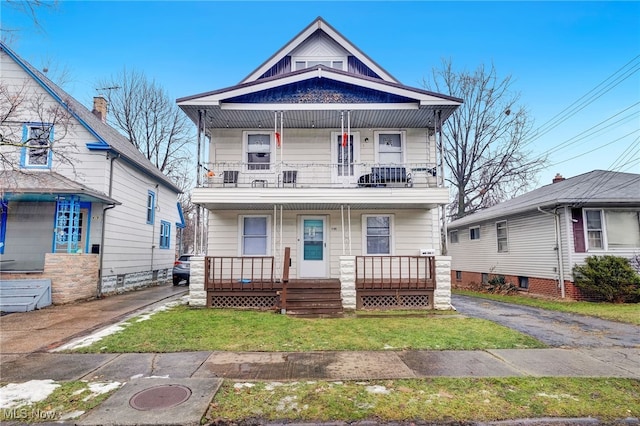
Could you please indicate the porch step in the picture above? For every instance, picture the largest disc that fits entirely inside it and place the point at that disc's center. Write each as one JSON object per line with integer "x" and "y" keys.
{"x": 314, "y": 298}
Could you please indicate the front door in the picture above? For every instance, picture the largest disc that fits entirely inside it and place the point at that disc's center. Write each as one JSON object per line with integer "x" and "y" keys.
{"x": 313, "y": 247}
{"x": 345, "y": 159}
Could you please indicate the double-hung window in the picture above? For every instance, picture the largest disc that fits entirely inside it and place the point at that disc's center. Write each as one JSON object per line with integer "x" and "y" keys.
{"x": 453, "y": 237}
{"x": 258, "y": 151}
{"x": 37, "y": 139}
{"x": 377, "y": 231}
{"x": 612, "y": 229}
{"x": 594, "y": 229}
{"x": 474, "y": 233}
{"x": 255, "y": 235}
{"x": 502, "y": 236}
{"x": 390, "y": 148}
{"x": 165, "y": 234}
{"x": 151, "y": 207}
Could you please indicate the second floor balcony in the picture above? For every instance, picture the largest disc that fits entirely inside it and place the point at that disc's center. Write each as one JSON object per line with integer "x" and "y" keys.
{"x": 314, "y": 186}
{"x": 319, "y": 175}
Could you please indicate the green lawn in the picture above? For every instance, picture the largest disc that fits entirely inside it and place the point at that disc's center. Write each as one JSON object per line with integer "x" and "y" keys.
{"x": 621, "y": 312}
{"x": 185, "y": 329}
{"x": 436, "y": 400}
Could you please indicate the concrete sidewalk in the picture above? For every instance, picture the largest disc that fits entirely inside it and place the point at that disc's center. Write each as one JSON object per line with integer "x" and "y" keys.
{"x": 45, "y": 329}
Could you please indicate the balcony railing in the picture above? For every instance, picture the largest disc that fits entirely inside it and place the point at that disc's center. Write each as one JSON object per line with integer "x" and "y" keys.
{"x": 318, "y": 175}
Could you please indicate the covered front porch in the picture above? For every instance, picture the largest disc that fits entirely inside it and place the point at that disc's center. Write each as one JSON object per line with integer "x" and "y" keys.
{"x": 365, "y": 282}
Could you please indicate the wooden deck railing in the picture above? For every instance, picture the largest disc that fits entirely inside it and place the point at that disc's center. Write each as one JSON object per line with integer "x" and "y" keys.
{"x": 395, "y": 272}
{"x": 240, "y": 274}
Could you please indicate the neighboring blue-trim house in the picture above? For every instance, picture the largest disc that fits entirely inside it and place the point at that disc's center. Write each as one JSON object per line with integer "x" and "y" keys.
{"x": 79, "y": 197}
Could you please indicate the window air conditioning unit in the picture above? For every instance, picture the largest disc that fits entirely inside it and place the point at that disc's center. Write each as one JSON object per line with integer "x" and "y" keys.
{"x": 427, "y": 252}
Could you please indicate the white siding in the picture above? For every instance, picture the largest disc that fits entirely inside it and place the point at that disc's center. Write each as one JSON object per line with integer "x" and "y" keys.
{"x": 412, "y": 231}
{"x": 131, "y": 244}
{"x": 531, "y": 241}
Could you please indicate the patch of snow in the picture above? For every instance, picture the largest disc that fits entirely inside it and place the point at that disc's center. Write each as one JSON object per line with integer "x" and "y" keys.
{"x": 91, "y": 339}
{"x": 17, "y": 394}
{"x": 98, "y": 388}
{"x": 71, "y": 415}
{"x": 378, "y": 390}
{"x": 136, "y": 376}
{"x": 387, "y": 347}
{"x": 271, "y": 386}
{"x": 287, "y": 404}
{"x": 561, "y": 396}
{"x": 243, "y": 385}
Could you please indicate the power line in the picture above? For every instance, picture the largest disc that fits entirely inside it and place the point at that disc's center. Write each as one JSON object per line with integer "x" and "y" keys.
{"x": 595, "y": 149}
{"x": 561, "y": 116}
{"x": 583, "y": 135}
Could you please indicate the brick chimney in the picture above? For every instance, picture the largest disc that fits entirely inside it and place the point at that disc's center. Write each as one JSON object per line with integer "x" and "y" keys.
{"x": 558, "y": 178}
{"x": 100, "y": 108}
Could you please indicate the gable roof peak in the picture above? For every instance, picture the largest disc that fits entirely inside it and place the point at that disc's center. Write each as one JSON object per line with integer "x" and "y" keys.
{"x": 319, "y": 24}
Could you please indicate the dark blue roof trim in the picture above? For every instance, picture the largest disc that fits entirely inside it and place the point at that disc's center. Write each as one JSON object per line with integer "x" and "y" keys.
{"x": 319, "y": 90}
{"x": 182, "y": 224}
{"x": 97, "y": 146}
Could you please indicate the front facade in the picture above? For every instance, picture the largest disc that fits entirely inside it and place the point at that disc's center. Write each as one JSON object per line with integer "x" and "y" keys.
{"x": 80, "y": 205}
{"x": 322, "y": 155}
{"x": 535, "y": 240}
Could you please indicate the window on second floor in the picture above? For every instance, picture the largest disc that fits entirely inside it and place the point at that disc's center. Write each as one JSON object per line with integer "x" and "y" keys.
{"x": 258, "y": 150}
{"x": 502, "y": 236}
{"x": 474, "y": 233}
{"x": 165, "y": 234}
{"x": 390, "y": 147}
{"x": 37, "y": 139}
{"x": 151, "y": 207}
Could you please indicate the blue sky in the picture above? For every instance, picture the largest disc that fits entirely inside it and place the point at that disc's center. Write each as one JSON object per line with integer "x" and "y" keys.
{"x": 556, "y": 52}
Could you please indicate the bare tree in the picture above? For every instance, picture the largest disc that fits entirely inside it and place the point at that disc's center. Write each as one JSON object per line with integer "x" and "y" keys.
{"x": 146, "y": 115}
{"x": 27, "y": 7}
{"x": 32, "y": 128}
{"x": 143, "y": 111}
{"x": 485, "y": 139}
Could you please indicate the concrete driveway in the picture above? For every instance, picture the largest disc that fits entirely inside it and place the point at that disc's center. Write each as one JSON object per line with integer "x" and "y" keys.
{"x": 556, "y": 329}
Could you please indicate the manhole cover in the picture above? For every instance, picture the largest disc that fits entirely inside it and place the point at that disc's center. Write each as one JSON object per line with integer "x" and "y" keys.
{"x": 163, "y": 396}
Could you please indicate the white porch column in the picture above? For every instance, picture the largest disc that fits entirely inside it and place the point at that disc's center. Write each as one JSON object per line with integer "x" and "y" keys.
{"x": 348, "y": 282}
{"x": 442, "y": 293}
{"x": 197, "y": 293}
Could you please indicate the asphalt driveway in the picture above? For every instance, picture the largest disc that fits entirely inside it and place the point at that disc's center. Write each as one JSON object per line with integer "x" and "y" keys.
{"x": 556, "y": 329}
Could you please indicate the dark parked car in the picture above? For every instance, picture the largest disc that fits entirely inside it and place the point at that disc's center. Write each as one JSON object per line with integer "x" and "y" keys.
{"x": 181, "y": 269}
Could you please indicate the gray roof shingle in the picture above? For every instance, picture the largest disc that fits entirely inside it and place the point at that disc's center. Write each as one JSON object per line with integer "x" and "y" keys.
{"x": 595, "y": 187}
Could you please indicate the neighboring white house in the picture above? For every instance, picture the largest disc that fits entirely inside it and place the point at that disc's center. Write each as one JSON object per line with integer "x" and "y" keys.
{"x": 80, "y": 204}
{"x": 322, "y": 151}
{"x": 535, "y": 240}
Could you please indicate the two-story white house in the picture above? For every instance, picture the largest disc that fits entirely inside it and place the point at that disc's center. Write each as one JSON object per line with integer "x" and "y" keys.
{"x": 81, "y": 206}
{"x": 323, "y": 167}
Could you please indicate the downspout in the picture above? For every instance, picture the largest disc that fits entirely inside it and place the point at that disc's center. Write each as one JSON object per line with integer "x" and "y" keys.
{"x": 114, "y": 155}
{"x": 556, "y": 223}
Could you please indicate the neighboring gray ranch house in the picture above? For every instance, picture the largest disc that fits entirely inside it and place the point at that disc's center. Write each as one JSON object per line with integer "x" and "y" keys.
{"x": 321, "y": 186}
{"x": 81, "y": 206}
{"x": 535, "y": 240}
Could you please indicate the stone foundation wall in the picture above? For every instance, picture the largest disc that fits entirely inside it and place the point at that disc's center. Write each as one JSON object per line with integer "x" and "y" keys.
{"x": 73, "y": 277}
{"x": 116, "y": 284}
